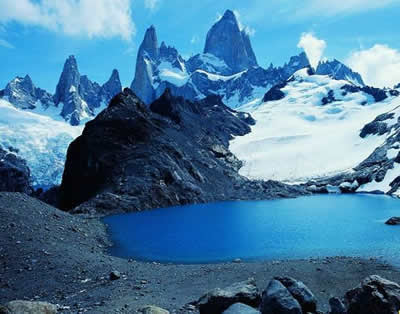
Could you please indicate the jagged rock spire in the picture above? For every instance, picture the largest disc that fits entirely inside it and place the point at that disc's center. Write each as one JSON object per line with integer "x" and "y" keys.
{"x": 112, "y": 87}
{"x": 228, "y": 42}
{"x": 70, "y": 77}
{"x": 148, "y": 54}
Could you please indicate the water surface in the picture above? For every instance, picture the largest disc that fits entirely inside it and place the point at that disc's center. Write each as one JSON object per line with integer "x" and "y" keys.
{"x": 317, "y": 226}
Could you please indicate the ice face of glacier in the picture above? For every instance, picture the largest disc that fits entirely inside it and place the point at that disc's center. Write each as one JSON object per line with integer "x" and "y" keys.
{"x": 42, "y": 140}
{"x": 227, "y": 42}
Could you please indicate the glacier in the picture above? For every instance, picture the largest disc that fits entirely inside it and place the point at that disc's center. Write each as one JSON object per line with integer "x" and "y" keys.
{"x": 305, "y": 135}
{"x": 41, "y": 139}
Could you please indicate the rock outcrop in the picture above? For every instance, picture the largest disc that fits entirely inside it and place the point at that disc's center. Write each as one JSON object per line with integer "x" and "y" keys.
{"x": 375, "y": 295}
{"x": 175, "y": 152}
{"x": 28, "y": 307}
{"x": 277, "y": 299}
{"x": 14, "y": 173}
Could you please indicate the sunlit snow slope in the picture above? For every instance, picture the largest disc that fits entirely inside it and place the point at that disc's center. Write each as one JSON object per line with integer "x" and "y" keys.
{"x": 299, "y": 137}
{"x": 41, "y": 140}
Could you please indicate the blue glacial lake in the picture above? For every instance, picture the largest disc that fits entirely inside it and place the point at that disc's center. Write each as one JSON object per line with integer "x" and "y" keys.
{"x": 316, "y": 226}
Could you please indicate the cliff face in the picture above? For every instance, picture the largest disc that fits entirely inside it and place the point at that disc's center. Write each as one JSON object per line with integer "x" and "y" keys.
{"x": 135, "y": 157}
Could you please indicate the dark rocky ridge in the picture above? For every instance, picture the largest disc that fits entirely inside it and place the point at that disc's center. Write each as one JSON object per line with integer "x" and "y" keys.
{"x": 132, "y": 157}
{"x": 14, "y": 173}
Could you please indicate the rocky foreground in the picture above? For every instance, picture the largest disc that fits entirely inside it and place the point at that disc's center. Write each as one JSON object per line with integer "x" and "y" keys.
{"x": 51, "y": 256}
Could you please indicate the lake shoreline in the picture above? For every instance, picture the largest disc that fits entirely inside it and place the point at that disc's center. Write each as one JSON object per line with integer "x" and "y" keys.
{"x": 49, "y": 255}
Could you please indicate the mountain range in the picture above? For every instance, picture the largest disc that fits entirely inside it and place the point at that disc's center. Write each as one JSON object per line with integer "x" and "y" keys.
{"x": 77, "y": 98}
{"x": 228, "y": 67}
{"x": 38, "y": 126}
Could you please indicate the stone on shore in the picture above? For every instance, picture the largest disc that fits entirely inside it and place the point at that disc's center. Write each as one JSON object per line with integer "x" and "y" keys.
{"x": 218, "y": 300}
{"x": 375, "y": 295}
{"x": 278, "y": 300}
{"x": 27, "y": 307}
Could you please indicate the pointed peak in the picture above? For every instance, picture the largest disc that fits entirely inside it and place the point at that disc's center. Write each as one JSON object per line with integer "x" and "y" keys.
{"x": 229, "y": 15}
{"x": 163, "y": 45}
{"x": 150, "y": 43}
{"x": 114, "y": 72}
{"x": 151, "y": 32}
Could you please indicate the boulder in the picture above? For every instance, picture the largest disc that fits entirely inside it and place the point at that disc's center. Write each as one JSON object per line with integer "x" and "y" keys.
{"x": 240, "y": 308}
{"x": 4, "y": 310}
{"x": 393, "y": 221}
{"x": 278, "y": 300}
{"x": 300, "y": 292}
{"x": 218, "y": 300}
{"x": 375, "y": 295}
{"x": 115, "y": 275}
{"x": 337, "y": 306}
{"x": 27, "y": 307}
{"x": 151, "y": 309}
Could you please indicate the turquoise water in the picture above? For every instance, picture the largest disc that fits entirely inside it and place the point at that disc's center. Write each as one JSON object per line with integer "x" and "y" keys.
{"x": 325, "y": 225}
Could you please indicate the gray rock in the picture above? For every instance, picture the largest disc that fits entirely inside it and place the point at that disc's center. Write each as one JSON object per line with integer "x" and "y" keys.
{"x": 26, "y": 307}
{"x": 151, "y": 309}
{"x": 300, "y": 292}
{"x": 337, "y": 306}
{"x": 375, "y": 295}
{"x": 393, "y": 221}
{"x": 278, "y": 300}
{"x": 240, "y": 308}
{"x": 115, "y": 275}
{"x": 218, "y": 300}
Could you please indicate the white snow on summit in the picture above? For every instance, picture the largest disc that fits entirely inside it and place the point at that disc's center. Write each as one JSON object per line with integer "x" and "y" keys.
{"x": 298, "y": 137}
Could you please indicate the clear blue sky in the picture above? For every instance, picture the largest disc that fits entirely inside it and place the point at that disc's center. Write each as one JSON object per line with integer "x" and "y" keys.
{"x": 36, "y": 37}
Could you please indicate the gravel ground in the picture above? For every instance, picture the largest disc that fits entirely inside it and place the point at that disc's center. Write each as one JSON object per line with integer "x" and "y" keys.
{"x": 52, "y": 256}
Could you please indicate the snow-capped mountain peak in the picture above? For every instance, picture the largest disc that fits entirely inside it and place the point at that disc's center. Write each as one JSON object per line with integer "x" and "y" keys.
{"x": 228, "y": 42}
{"x": 339, "y": 71}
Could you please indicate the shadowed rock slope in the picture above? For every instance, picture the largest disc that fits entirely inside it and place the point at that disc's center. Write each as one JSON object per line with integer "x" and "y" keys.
{"x": 133, "y": 157}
